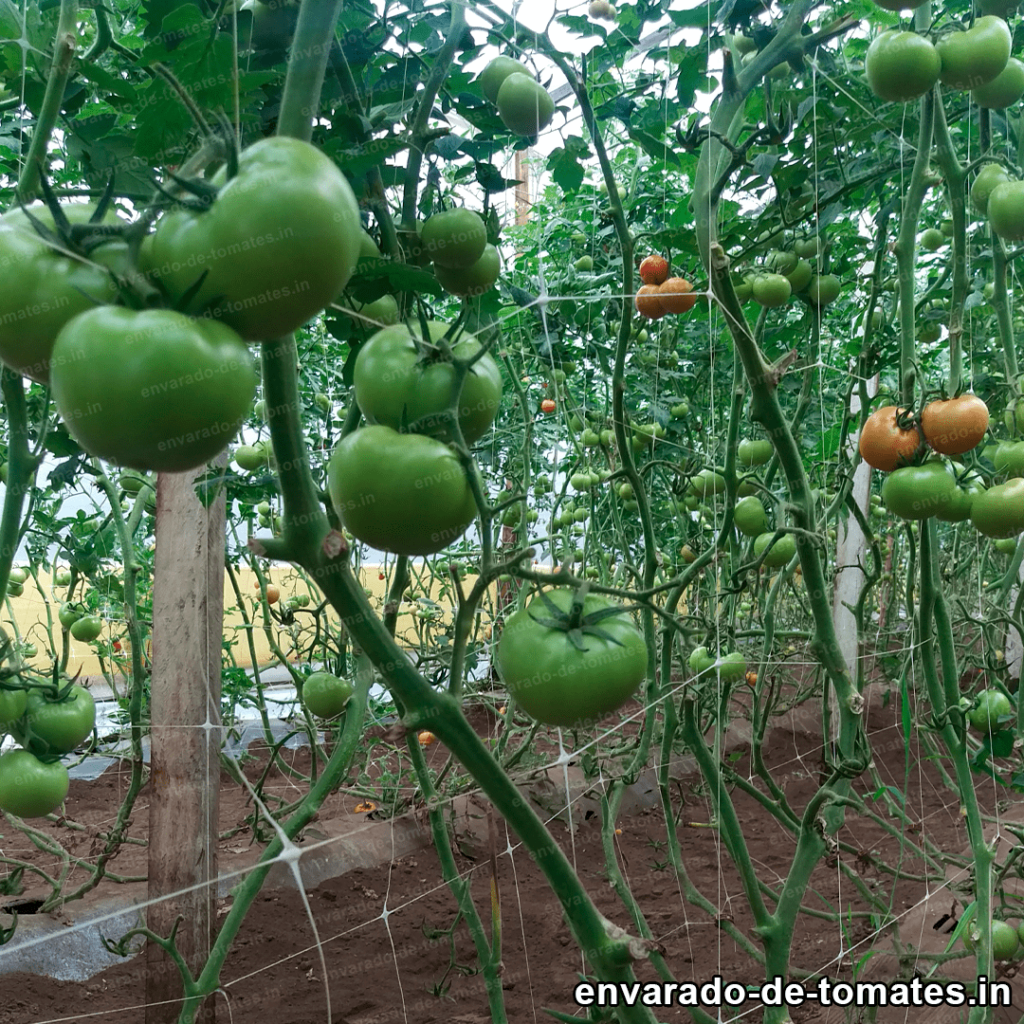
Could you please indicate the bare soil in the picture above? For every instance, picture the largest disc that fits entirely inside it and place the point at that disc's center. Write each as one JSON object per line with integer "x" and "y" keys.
{"x": 417, "y": 963}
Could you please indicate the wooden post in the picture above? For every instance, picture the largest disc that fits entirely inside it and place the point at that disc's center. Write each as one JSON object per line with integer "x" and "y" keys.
{"x": 188, "y": 609}
{"x": 522, "y": 173}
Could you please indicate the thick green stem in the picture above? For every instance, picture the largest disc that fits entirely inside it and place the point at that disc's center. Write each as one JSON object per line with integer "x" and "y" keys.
{"x": 60, "y": 71}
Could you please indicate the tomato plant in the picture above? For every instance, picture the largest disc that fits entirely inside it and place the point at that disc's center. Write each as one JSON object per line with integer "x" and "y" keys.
{"x": 570, "y": 660}
{"x": 151, "y": 389}
{"x": 29, "y": 787}
{"x": 277, "y": 245}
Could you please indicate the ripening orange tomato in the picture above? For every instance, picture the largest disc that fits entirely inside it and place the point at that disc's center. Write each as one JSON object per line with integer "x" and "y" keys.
{"x": 548, "y": 405}
{"x": 653, "y": 269}
{"x": 884, "y": 444}
{"x": 955, "y": 425}
{"x": 676, "y": 295}
{"x": 648, "y": 303}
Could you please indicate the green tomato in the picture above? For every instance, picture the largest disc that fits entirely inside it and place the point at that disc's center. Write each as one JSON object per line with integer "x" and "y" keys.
{"x": 492, "y": 76}
{"x": 1014, "y": 417}
{"x": 62, "y": 578}
{"x": 131, "y": 482}
{"x": 680, "y": 411}
{"x": 1005, "y": 545}
{"x": 28, "y": 787}
{"x": 918, "y": 492}
{"x": 477, "y": 278}
{"x": 959, "y": 508}
{"x": 1006, "y": 210}
{"x": 1004, "y": 940}
{"x": 932, "y": 239}
{"x": 808, "y": 248}
{"x": 990, "y": 706}
{"x": 455, "y": 239}
{"x": 823, "y": 290}
{"x": 326, "y": 695}
{"x": 420, "y": 505}
{"x": 87, "y": 628}
{"x": 383, "y": 311}
{"x": 901, "y": 66}
{"x": 559, "y": 682}
{"x": 1008, "y": 458}
{"x": 278, "y": 244}
{"x": 397, "y": 384}
{"x": 999, "y": 512}
{"x": 781, "y": 261}
{"x": 44, "y": 289}
{"x": 987, "y": 179}
{"x": 12, "y": 707}
{"x": 69, "y": 614}
{"x": 700, "y": 660}
{"x": 368, "y": 248}
{"x": 975, "y": 57}
{"x": 754, "y": 453}
{"x": 732, "y": 667}
{"x": 584, "y": 263}
{"x": 706, "y": 483}
{"x": 249, "y": 458}
{"x": 52, "y": 728}
{"x": 750, "y": 517}
{"x": 524, "y": 105}
{"x": 779, "y": 554}
{"x": 771, "y": 290}
{"x": 1004, "y": 90}
{"x": 17, "y": 575}
{"x": 151, "y": 389}
{"x": 800, "y": 276}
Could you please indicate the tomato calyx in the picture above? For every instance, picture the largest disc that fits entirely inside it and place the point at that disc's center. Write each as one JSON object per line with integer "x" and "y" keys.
{"x": 574, "y": 623}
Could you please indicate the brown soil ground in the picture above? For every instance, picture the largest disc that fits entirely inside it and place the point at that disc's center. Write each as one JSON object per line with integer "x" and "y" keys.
{"x": 403, "y": 967}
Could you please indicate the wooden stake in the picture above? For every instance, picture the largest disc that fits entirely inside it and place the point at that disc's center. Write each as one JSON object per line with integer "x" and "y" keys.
{"x": 188, "y": 610}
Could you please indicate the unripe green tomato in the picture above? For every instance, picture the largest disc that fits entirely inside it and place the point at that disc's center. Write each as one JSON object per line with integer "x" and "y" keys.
{"x": 772, "y": 290}
{"x": 932, "y": 239}
{"x": 988, "y": 177}
{"x": 823, "y": 290}
{"x": 326, "y": 695}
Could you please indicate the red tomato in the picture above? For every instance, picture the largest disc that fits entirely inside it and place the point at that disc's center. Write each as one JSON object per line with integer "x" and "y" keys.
{"x": 548, "y": 405}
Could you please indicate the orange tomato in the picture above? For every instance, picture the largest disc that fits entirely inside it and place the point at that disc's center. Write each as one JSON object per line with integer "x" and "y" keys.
{"x": 548, "y": 405}
{"x": 883, "y": 443}
{"x": 648, "y": 303}
{"x": 426, "y": 738}
{"x": 653, "y": 269}
{"x": 272, "y": 594}
{"x": 955, "y": 425}
{"x": 676, "y": 295}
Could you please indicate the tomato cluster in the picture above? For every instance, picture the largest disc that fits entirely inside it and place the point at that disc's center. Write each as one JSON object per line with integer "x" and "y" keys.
{"x": 33, "y": 782}
{"x": 524, "y": 105}
{"x": 661, "y": 294}
{"x": 894, "y": 441}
